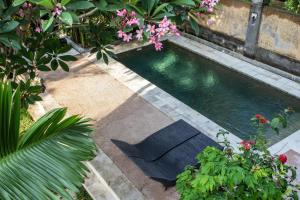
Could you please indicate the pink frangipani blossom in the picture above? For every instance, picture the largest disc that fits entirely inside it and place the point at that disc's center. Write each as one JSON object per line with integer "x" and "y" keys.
{"x": 154, "y": 31}
{"x": 38, "y": 29}
{"x": 133, "y": 21}
{"x": 57, "y": 11}
{"x": 127, "y": 37}
{"x": 121, "y": 13}
{"x": 150, "y": 28}
{"x": 139, "y": 34}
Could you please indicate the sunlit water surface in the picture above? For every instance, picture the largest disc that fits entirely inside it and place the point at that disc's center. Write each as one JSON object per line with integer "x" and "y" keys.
{"x": 224, "y": 96}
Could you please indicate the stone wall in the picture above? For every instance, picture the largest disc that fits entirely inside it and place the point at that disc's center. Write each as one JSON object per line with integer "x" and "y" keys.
{"x": 279, "y": 36}
{"x": 231, "y": 19}
{"x": 280, "y": 33}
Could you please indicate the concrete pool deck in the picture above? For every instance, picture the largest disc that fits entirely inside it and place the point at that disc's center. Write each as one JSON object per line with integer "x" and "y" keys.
{"x": 117, "y": 113}
{"x": 125, "y": 106}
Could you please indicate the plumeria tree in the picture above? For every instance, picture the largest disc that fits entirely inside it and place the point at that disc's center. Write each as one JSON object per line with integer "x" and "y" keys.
{"x": 30, "y": 32}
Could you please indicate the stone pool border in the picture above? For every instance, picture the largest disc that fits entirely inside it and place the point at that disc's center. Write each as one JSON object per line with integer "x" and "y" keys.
{"x": 176, "y": 109}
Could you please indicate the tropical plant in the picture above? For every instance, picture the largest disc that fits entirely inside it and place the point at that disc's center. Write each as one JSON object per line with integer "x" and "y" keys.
{"x": 251, "y": 173}
{"x": 30, "y": 32}
{"x": 292, "y": 5}
{"x": 45, "y": 161}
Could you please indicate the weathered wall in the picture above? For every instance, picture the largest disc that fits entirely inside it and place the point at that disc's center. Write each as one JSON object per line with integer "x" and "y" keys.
{"x": 280, "y": 33}
{"x": 231, "y": 19}
{"x": 279, "y": 37}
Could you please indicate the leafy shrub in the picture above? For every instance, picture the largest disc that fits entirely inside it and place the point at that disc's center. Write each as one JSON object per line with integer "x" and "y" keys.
{"x": 292, "y": 5}
{"x": 249, "y": 173}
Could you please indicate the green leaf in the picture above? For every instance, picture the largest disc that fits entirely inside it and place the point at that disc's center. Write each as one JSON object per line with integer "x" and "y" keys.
{"x": 105, "y": 58}
{"x": 64, "y": 2}
{"x": 162, "y": 15}
{"x": 99, "y": 55}
{"x": 80, "y": 5}
{"x": 53, "y": 159}
{"x": 68, "y": 58}
{"x": 10, "y": 119}
{"x": 160, "y": 8}
{"x": 66, "y": 18}
{"x": 149, "y": 4}
{"x": 275, "y": 123}
{"x": 43, "y": 68}
{"x": 43, "y": 12}
{"x": 54, "y": 64}
{"x": 9, "y": 41}
{"x": 102, "y": 5}
{"x": 46, "y": 3}
{"x": 136, "y": 9}
{"x": 74, "y": 17}
{"x": 195, "y": 26}
{"x": 2, "y": 5}
{"x": 64, "y": 66}
{"x": 9, "y": 26}
{"x": 34, "y": 98}
{"x": 47, "y": 23}
{"x": 35, "y": 89}
{"x": 184, "y": 2}
{"x": 18, "y": 2}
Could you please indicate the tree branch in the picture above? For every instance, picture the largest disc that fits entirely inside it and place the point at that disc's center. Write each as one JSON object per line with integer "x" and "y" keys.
{"x": 88, "y": 13}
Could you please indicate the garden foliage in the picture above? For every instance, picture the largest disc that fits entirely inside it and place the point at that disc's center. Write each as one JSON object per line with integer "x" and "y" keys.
{"x": 46, "y": 160}
{"x": 251, "y": 173}
{"x": 30, "y": 32}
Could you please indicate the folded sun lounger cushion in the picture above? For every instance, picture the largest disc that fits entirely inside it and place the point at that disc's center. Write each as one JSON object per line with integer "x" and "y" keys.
{"x": 165, "y": 154}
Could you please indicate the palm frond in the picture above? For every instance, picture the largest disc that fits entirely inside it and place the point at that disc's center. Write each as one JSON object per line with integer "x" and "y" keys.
{"x": 49, "y": 167}
{"x": 9, "y": 119}
{"x": 46, "y": 162}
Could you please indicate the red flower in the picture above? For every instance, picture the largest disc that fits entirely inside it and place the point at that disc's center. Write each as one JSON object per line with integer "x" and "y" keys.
{"x": 246, "y": 145}
{"x": 258, "y": 116}
{"x": 261, "y": 119}
{"x": 282, "y": 158}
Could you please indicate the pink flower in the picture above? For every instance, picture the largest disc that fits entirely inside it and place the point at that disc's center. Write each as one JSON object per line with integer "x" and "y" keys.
{"x": 152, "y": 40}
{"x": 150, "y": 28}
{"x": 21, "y": 13}
{"x": 37, "y": 29}
{"x": 122, "y": 13}
{"x": 57, "y": 11}
{"x": 127, "y": 37}
{"x": 139, "y": 34}
{"x": 165, "y": 23}
{"x": 121, "y": 34}
{"x": 132, "y": 14}
{"x": 160, "y": 32}
{"x": 158, "y": 46}
{"x": 174, "y": 30}
{"x": 24, "y": 5}
{"x": 133, "y": 21}
{"x": 209, "y": 4}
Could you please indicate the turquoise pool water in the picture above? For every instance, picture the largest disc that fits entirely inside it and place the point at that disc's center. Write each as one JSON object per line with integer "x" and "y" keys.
{"x": 228, "y": 98}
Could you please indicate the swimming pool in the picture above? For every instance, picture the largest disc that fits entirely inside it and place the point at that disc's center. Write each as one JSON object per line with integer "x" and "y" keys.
{"x": 226, "y": 97}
